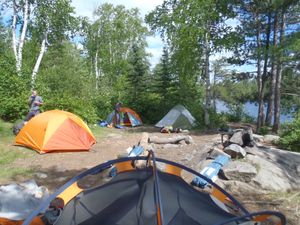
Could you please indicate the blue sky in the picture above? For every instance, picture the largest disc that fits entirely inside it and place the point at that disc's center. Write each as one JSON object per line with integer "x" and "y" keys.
{"x": 155, "y": 45}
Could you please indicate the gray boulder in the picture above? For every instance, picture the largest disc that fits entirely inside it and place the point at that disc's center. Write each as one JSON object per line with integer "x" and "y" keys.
{"x": 213, "y": 153}
{"x": 270, "y": 176}
{"x": 235, "y": 151}
{"x": 239, "y": 188}
{"x": 237, "y": 138}
{"x": 270, "y": 139}
{"x": 240, "y": 171}
{"x": 258, "y": 138}
{"x": 254, "y": 151}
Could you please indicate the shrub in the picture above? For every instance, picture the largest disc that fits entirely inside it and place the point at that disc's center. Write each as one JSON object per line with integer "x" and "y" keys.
{"x": 264, "y": 130}
{"x": 13, "y": 91}
{"x": 290, "y": 135}
{"x": 79, "y": 106}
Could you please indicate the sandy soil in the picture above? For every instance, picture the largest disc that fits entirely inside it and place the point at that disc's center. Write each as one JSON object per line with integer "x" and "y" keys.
{"x": 55, "y": 169}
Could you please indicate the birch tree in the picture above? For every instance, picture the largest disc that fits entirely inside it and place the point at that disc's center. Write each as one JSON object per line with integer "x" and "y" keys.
{"x": 110, "y": 38}
{"x": 53, "y": 24}
{"x": 20, "y": 15}
{"x": 44, "y": 21}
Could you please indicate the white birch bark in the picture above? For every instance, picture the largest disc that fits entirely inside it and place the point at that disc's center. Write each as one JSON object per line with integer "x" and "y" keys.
{"x": 96, "y": 68}
{"x": 38, "y": 62}
{"x": 23, "y": 34}
{"x": 13, "y": 30}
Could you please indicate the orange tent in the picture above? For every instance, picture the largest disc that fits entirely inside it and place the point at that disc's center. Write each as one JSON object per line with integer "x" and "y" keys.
{"x": 128, "y": 117}
{"x": 56, "y": 130}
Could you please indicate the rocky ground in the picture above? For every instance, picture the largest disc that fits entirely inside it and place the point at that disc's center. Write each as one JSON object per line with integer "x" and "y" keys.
{"x": 273, "y": 182}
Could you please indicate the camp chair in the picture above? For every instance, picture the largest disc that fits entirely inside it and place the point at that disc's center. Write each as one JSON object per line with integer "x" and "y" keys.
{"x": 149, "y": 196}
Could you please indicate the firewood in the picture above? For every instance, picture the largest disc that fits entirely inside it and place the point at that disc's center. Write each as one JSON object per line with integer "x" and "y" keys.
{"x": 173, "y": 140}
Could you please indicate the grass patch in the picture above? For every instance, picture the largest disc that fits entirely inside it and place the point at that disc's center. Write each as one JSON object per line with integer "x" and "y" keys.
{"x": 9, "y": 173}
{"x": 102, "y": 132}
{"x": 9, "y": 153}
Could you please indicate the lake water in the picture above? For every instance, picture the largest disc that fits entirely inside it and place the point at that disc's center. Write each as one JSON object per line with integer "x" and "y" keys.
{"x": 251, "y": 109}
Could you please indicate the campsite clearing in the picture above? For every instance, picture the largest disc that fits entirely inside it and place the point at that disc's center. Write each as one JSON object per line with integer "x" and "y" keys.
{"x": 54, "y": 169}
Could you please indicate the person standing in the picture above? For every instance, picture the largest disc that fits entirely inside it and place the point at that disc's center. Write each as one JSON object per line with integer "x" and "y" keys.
{"x": 34, "y": 102}
{"x": 118, "y": 113}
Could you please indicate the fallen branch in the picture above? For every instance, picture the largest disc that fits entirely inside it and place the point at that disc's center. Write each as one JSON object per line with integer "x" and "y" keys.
{"x": 173, "y": 140}
{"x": 143, "y": 143}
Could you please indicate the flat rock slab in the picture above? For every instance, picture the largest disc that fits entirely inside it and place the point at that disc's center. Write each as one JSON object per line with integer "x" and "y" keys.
{"x": 270, "y": 176}
{"x": 240, "y": 171}
{"x": 235, "y": 151}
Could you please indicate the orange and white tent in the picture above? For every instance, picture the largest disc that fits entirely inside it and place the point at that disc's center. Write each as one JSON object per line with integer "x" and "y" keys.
{"x": 56, "y": 130}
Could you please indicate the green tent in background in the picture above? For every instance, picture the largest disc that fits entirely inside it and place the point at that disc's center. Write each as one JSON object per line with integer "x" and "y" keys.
{"x": 178, "y": 117}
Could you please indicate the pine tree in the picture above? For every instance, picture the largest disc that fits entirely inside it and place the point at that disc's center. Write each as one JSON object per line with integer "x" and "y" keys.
{"x": 137, "y": 76}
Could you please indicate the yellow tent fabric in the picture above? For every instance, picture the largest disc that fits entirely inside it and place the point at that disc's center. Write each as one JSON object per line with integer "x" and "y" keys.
{"x": 56, "y": 130}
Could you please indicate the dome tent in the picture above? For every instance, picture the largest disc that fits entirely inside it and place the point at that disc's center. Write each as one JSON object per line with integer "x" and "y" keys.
{"x": 128, "y": 117}
{"x": 56, "y": 130}
{"x": 147, "y": 196}
{"x": 178, "y": 117}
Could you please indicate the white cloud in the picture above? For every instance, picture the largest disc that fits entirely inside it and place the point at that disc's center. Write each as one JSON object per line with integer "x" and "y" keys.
{"x": 87, "y": 7}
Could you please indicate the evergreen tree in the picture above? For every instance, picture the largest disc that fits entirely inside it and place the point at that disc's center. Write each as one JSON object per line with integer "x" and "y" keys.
{"x": 165, "y": 82}
{"x": 137, "y": 76}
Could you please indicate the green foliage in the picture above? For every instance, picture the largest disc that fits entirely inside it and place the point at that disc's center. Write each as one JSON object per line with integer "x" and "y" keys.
{"x": 64, "y": 83}
{"x": 264, "y": 130}
{"x": 136, "y": 79}
{"x": 290, "y": 135}
{"x": 236, "y": 92}
{"x": 53, "y": 20}
{"x": 109, "y": 40}
{"x": 13, "y": 91}
{"x": 164, "y": 82}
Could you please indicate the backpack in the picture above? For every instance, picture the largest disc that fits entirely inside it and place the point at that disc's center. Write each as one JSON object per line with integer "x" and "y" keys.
{"x": 17, "y": 127}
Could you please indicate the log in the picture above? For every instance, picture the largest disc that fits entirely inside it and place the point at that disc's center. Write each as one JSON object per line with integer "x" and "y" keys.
{"x": 173, "y": 140}
{"x": 145, "y": 144}
{"x": 144, "y": 140}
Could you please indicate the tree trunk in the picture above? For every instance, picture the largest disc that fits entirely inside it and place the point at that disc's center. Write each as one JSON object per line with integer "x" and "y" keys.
{"x": 13, "y": 30}
{"x": 259, "y": 75}
{"x": 277, "y": 108}
{"x": 270, "y": 109}
{"x": 261, "y": 114}
{"x": 207, "y": 82}
{"x": 38, "y": 63}
{"x": 22, "y": 37}
{"x": 96, "y": 68}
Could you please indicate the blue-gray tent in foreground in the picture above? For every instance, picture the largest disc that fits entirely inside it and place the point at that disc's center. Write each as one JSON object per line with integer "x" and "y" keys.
{"x": 178, "y": 117}
{"x": 146, "y": 196}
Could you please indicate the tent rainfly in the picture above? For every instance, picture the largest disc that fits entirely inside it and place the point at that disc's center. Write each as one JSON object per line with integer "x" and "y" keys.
{"x": 146, "y": 196}
{"x": 178, "y": 117}
{"x": 56, "y": 130}
{"x": 129, "y": 117}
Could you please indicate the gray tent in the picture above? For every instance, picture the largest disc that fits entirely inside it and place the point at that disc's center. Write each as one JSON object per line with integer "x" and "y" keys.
{"x": 178, "y": 117}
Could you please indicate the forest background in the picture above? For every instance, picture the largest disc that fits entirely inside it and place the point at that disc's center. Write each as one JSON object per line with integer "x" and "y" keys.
{"x": 85, "y": 66}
